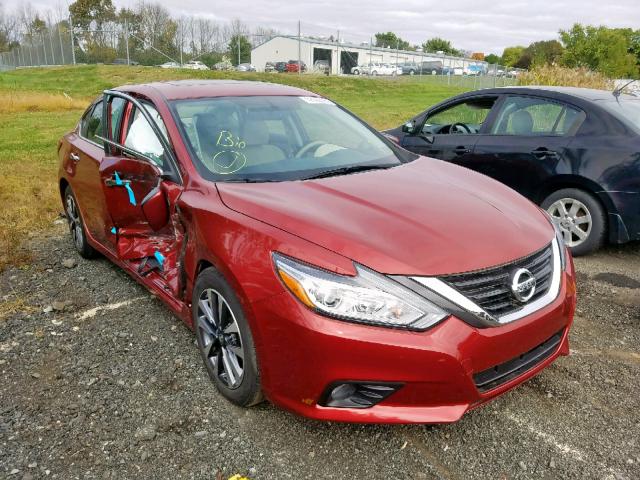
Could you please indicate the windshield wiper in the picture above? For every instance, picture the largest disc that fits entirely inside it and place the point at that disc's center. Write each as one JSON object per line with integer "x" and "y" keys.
{"x": 248, "y": 180}
{"x": 346, "y": 170}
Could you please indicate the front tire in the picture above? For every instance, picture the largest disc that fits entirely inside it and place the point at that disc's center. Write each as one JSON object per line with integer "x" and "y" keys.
{"x": 581, "y": 218}
{"x": 224, "y": 339}
{"x": 76, "y": 225}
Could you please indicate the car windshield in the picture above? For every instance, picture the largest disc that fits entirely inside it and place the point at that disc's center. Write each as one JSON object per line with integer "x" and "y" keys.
{"x": 627, "y": 106}
{"x": 275, "y": 138}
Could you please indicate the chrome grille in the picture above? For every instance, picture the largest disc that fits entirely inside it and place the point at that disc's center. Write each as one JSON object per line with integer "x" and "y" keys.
{"x": 490, "y": 288}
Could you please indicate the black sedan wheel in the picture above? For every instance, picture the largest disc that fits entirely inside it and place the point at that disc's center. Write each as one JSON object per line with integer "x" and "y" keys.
{"x": 225, "y": 340}
{"x": 76, "y": 225}
{"x": 581, "y": 219}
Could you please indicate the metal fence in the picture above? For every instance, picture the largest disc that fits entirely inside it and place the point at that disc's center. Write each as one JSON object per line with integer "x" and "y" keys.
{"x": 116, "y": 44}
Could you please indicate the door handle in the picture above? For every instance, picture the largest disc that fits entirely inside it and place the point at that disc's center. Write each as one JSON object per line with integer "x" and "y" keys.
{"x": 461, "y": 150}
{"x": 74, "y": 156}
{"x": 544, "y": 152}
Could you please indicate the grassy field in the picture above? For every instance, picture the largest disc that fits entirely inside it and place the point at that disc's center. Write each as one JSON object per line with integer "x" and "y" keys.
{"x": 37, "y": 106}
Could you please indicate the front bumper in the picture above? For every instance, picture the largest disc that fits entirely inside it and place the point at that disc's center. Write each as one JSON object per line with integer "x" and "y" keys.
{"x": 301, "y": 353}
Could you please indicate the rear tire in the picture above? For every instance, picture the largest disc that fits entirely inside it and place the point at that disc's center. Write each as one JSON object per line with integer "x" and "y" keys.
{"x": 76, "y": 225}
{"x": 581, "y": 218}
{"x": 225, "y": 340}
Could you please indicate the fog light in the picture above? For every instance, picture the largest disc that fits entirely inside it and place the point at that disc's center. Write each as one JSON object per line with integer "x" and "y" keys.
{"x": 357, "y": 395}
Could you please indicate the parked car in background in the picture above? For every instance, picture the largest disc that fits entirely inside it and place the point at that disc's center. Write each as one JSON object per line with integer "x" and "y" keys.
{"x": 376, "y": 69}
{"x": 321, "y": 66}
{"x": 269, "y": 67}
{"x": 573, "y": 151}
{"x": 409, "y": 68}
{"x": 473, "y": 70}
{"x": 245, "y": 67}
{"x": 281, "y": 67}
{"x": 295, "y": 66}
{"x": 224, "y": 65}
{"x": 169, "y": 65}
{"x": 320, "y": 265}
{"x": 195, "y": 65}
{"x": 123, "y": 61}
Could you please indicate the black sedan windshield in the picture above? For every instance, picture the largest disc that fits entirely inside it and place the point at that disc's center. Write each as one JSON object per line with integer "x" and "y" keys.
{"x": 271, "y": 138}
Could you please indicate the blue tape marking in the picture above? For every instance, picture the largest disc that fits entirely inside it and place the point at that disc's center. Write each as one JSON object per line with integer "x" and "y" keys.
{"x": 114, "y": 230}
{"x": 132, "y": 198}
{"x": 159, "y": 258}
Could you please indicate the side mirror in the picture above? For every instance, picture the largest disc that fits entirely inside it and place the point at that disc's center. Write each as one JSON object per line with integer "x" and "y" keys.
{"x": 408, "y": 127}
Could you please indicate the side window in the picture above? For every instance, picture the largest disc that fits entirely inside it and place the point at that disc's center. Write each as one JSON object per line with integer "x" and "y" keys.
{"x": 464, "y": 117}
{"x": 92, "y": 125}
{"x": 116, "y": 107}
{"x": 141, "y": 138}
{"x": 536, "y": 116}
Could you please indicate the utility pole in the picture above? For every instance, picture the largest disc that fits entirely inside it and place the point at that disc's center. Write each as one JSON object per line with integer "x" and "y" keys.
{"x": 44, "y": 48}
{"x": 61, "y": 49}
{"x": 238, "y": 43}
{"x": 53, "y": 57}
{"x": 126, "y": 40}
{"x": 181, "y": 40}
{"x": 299, "y": 51}
{"x": 339, "y": 69}
{"x": 73, "y": 47}
{"x": 370, "y": 56}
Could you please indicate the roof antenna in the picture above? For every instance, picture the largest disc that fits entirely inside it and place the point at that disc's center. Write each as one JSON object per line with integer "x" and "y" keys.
{"x": 618, "y": 90}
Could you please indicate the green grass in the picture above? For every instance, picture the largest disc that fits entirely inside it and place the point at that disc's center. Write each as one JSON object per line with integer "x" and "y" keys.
{"x": 29, "y": 130}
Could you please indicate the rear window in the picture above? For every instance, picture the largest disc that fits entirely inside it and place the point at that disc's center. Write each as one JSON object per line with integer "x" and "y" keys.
{"x": 625, "y": 106}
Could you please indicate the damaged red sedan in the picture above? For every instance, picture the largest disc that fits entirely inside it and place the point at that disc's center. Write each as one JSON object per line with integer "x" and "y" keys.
{"x": 319, "y": 265}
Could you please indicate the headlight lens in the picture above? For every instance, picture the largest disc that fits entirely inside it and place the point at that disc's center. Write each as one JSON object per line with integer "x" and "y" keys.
{"x": 560, "y": 240}
{"x": 368, "y": 297}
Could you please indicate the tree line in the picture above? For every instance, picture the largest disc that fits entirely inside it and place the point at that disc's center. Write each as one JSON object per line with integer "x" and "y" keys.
{"x": 614, "y": 52}
{"x": 102, "y": 34}
{"x": 152, "y": 35}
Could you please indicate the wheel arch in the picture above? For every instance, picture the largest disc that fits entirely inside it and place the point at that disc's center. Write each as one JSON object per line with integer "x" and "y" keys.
{"x": 560, "y": 182}
{"x": 63, "y": 184}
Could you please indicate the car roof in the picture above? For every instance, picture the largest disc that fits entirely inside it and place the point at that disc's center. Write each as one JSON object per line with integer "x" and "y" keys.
{"x": 186, "y": 89}
{"x": 582, "y": 93}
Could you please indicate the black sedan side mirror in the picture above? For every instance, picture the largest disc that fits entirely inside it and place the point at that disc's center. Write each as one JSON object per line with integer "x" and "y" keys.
{"x": 408, "y": 127}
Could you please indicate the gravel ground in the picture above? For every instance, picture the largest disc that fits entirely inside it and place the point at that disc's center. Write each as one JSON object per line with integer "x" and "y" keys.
{"x": 99, "y": 380}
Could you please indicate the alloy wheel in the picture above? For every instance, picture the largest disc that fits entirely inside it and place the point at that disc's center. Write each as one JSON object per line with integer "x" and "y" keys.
{"x": 75, "y": 224}
{"x": 221, "y": 341}
{"x": 573, "y": 218}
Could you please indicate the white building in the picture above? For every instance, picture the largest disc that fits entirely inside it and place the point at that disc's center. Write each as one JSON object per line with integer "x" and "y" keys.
{"x": 285, "y": 48}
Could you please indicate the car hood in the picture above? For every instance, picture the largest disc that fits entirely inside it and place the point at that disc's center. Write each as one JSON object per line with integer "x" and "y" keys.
{"x": 426, "y": 217}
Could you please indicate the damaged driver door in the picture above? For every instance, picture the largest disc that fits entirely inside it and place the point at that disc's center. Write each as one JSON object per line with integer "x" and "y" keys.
{"x": 140, "y": 184}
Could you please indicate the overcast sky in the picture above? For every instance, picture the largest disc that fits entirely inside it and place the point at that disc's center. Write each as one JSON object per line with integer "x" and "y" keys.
{"x": 476, "y": 25}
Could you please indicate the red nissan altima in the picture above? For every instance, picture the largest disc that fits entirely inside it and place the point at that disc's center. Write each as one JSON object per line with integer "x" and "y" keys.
{"x": 320, "y": 265}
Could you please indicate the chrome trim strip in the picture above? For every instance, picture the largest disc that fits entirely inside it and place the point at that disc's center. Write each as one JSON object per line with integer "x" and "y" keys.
{"x": 443, "y": 289}
{"x": 547, "y": 298}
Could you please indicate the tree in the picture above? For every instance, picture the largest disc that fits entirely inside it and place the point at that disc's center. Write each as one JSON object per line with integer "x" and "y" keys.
{"x": 603, "y": 49}
{"x": 244, "y": 45}
{"x": 492, "y": 59}
{"x": 390, "y": 39}
{"x": 540, "y": 53}
{"x": 8, "y": 30}
{"x": 92, "y": 13}
{"x": 511, "y": 55}
{"x": 437, "y": 44}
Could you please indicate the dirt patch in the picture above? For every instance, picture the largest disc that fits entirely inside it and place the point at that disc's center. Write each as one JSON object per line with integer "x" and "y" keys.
{"x": 617, "y": 280}
{"x": 109, "y": 384}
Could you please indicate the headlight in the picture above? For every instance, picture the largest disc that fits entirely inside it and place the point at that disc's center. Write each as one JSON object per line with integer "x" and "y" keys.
{"x": 562, "y": 248}
{"x": 368, "y": 297}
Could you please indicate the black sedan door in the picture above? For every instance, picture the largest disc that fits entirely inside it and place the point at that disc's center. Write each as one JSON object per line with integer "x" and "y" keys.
{"x": 451, "y": 132}
{"x": 527, "y": 142}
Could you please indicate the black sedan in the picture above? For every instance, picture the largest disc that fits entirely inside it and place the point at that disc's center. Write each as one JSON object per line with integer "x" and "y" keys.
{"x": 573, "y": 151}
